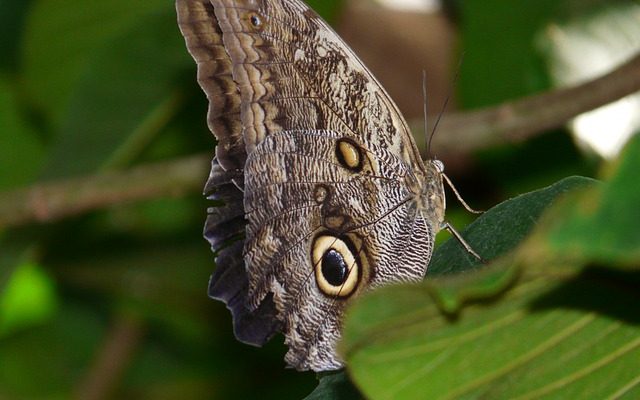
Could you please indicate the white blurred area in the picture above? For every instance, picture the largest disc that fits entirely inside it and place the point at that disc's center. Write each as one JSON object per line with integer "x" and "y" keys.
{"x": 412, "y": 5}
{"x": 586, "y": 48}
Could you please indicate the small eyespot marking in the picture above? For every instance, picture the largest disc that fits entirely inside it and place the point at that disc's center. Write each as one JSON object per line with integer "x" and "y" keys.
{"x": 320, "y": 194}
{"x": 336, "y": 269}
{"x": 349, "y": 154}
{"x": 335, "y": 222}
{"x": 255, "y": 20}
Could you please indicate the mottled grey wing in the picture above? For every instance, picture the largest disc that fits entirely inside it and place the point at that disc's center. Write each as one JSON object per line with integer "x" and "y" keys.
{"x": 302, "y": 200}
{"x": 327, "y": 164}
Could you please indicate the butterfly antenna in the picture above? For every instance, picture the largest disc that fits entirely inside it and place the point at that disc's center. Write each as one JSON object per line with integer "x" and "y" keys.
{"x": 427, "y": 140}
{"x": 446, "y": 101}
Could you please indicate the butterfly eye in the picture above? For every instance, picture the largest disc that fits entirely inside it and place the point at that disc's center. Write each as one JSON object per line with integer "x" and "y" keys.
{"x": 349, "y": 154}
{"x": 336, "y": 269}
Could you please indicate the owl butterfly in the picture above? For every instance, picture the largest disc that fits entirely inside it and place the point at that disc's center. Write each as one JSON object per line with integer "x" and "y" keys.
{"x": 325, "y": 193}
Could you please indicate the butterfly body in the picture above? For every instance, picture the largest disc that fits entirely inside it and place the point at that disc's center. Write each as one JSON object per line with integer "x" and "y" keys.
{"x": 325, "y": 193}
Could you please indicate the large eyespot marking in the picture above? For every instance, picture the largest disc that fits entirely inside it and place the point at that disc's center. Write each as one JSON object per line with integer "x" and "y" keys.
{"x": 349, "y": 154}
{"x": 336, "y": 268}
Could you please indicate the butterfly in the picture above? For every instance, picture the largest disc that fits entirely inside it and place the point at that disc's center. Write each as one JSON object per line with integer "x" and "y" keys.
{"x": 324, "y": 193}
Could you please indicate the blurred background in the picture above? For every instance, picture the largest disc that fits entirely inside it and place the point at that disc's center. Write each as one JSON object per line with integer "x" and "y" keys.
{"x": 111, "y": 303}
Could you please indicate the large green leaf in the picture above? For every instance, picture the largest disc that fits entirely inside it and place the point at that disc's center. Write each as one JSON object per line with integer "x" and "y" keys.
{"x": 526, "y": 326}
{"x": 525, "y": 346}
{"x": 519, "y": 214}
{"x": 601, "y": 224}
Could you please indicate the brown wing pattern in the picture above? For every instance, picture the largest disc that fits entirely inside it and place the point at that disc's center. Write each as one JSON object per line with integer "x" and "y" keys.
{"x": 203, "y": 36}
{"x": 296, "y": 191}
{"x": 292, "y": 72}
{"x": 321, "y": 152}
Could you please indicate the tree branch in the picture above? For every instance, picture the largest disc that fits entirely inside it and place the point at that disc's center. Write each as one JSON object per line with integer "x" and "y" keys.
{"x": 112, "y": 359}
{"x": 522, "y": 119}
{"x": 51, "y": 201}
{"x": 459, "y": 133}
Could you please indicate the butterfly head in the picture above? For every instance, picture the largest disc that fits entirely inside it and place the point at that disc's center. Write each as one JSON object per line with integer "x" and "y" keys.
{"x": 428, "y": 192}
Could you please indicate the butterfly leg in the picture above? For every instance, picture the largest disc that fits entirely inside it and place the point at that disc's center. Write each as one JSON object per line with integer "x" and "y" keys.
{"x": 460, "y": 239}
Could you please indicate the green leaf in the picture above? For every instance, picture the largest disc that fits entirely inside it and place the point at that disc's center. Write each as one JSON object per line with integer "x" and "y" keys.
{"x": 125, "y": 98}
{"x": 27, "y": 299}
{"x": 505, "y": 30}
{"x": 601, "y": 224}
{"x": 500, "y": 229}
{"x": 541, "y": 339}
{"x": 334, "y": 386}
{"x": 62, "y": 38}
{"x": 328, "y": 9}
{"x": 45, "y": 362}
{"x": 21, "y": 151}
{"x": 12, "y": 15}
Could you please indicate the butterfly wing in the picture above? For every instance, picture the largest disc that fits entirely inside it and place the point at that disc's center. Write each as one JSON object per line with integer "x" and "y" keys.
{"x": 328, "y": 162}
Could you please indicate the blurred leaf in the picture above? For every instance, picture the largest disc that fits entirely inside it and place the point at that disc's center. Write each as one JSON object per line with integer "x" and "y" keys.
{"x": 12, "y": 15}
{"x": 21, "y": 151}
{"x": 334, "y": 386}
{"x": 148, "y": 278}
{"x": 601, "y": 224}
{"x": 61, "y": 41}
{"x": 547, "y": 158}
{"x": 328, "y": 9}
{"x": 27, "y": 299}
{"x": 109, "y": 125}
{"x": 500, "y": 61}
{"x": 157, "y": 217}
{"x": 44, "y": 362}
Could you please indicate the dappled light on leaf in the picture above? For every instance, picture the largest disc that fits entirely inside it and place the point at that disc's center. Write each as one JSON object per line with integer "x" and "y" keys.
{"x": 27, "y": 299}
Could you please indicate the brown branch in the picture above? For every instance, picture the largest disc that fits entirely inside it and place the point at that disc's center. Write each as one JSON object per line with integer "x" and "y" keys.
{"x": 521, "y": 119}
{"x": 46, "y": 202}
{"x": 112, "y": 359}
{"x": 459, "y": 133}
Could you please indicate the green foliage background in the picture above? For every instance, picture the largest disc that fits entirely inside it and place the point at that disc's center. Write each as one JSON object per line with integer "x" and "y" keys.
{"x": 88, "y": 87}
